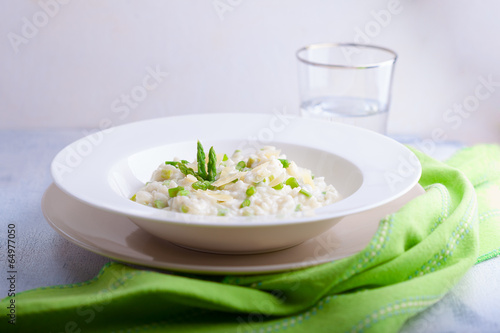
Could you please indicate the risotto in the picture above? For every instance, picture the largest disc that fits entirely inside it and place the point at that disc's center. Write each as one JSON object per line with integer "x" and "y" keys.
{"x": 264, "y": 182}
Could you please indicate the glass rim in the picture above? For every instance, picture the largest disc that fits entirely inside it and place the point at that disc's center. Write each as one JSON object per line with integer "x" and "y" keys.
{"x": 390, "y": 61}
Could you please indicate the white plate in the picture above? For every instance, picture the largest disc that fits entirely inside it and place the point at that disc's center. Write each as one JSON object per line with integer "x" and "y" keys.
{"x": 103, "y": 170}
{"x": 116, "y": 237}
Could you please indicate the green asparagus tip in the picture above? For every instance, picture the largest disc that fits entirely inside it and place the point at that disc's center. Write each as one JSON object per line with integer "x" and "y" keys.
{"x": 212, "y": 165}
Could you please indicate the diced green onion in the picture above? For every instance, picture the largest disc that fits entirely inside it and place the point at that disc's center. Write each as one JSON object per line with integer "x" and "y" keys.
{"x": 132, "y": 198}
{"x": 324, "y": 193}
{"x": 298, "y": 208}
{"x": 292, "y": 182}
{"x": 245, "y": 203}
{"x": 304, "y": 192}
{"x": 166, "y": 174}
{"x": 285, "y": 163}
{"x": 241, "y": 165}
{"x": 225, "y": 158}
{"x": 159, "y": 204}
{"x": 279, "y": 186}
{"x": 312, "y": 176}
{"x": 250, "y": 191}
{"x": 172, "y": 192}
{"x": 184, "y": 209}
{"x": 183, "y": 193}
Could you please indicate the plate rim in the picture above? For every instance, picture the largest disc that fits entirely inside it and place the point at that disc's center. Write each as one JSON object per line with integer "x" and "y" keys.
{"x": 167, "y": 217}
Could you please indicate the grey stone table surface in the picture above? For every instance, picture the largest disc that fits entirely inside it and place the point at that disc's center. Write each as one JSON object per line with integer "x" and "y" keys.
{"x": 44, "y": 258}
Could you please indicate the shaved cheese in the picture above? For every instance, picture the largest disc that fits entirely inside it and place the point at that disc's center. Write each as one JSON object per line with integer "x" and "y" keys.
{"x": 306, "y": 176}
{"x": 219, "y": 197}
{"x": 191, "y": 178}
{"x": 258, "y": 173}
{"x": 219, "y": 158}
{"x": 229, "y": 178}
{"x": 272, "y": 153}
{"x": 293, "y": 170}
{"x": 260, "y": 166}
{"x": 225, "y": 172}
{"x": 277, "y": 180}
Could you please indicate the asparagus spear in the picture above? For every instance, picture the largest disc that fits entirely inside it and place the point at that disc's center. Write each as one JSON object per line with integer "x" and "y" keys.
{"x": 202, "y": 171}
{"x": 212, "y": 165}
{"x": 188, "y": 171}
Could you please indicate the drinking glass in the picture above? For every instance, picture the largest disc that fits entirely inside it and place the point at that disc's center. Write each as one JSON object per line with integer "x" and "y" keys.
{"x": 349, "y": 83}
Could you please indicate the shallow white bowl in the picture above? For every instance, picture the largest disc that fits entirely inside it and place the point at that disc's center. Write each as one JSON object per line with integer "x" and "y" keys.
{"x": 105, "y": 169}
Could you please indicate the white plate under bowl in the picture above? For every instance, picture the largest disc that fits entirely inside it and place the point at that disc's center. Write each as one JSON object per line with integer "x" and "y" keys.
{"x": 104, "y": 169}
{"x": 116, "y": 237}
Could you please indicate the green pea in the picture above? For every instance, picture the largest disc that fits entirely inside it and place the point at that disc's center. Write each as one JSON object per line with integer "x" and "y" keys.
{"x": 292, "y": 182}
{"x": 250, "y": 191}
{"x": 245, "y": 203}
{"x": 241, "y": 165}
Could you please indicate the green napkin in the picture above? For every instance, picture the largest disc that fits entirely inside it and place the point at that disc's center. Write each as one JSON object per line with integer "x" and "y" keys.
{"x": 414, "y": 259}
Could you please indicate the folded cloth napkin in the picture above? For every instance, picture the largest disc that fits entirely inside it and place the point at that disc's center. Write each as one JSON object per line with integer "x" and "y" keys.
{"x": 415, "y": 257}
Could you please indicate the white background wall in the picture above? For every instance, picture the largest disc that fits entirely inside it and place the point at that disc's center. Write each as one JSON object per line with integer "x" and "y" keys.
{"x": 73, "y": 67}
